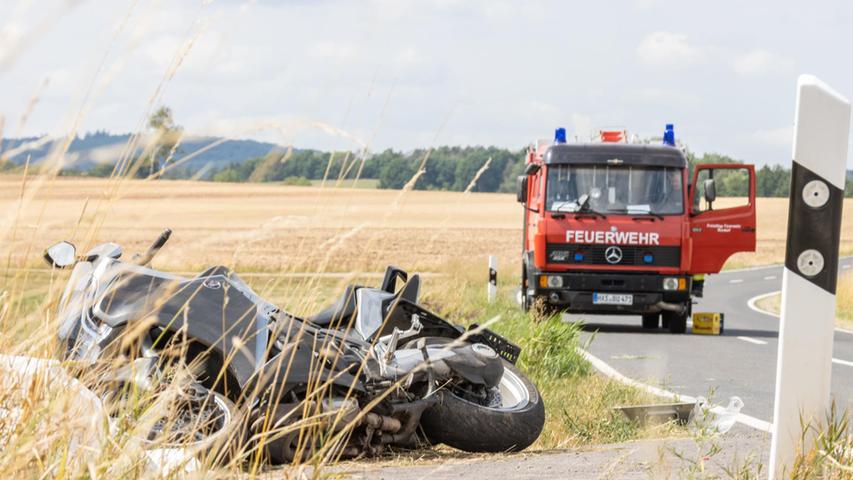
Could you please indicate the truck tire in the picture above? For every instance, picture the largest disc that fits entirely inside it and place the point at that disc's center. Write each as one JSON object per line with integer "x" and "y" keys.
{"x": 471, "y": 427}
{"x": 651, "y": 320}
{"x": 525, "y": 299}
{"x": 677, "y": 321}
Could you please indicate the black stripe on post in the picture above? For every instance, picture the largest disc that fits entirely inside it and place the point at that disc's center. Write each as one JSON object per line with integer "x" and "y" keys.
{"x": 814, "y": 228}
{"x": 493, "y": 276}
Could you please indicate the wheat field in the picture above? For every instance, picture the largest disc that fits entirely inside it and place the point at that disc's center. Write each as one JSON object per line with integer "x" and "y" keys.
{"x": 274, "y": 228}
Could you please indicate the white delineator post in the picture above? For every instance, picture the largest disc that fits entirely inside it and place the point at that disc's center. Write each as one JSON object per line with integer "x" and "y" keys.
{"x": 492, "y": 288}
{"x": 804, "y": 364}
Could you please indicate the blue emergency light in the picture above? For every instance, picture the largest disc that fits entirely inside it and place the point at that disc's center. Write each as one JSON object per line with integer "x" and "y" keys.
{"x": 669, "y": 135}
{"x": 648, "y": 258}
{"x": 578, "y": 257}
{"x": 560, "y": 135}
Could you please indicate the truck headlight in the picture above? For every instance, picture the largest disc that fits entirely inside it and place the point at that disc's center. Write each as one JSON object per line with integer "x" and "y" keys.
{"x": 551, "y": 281}
{"x": 670, "y": 283}
{"x": 674, "y": 283}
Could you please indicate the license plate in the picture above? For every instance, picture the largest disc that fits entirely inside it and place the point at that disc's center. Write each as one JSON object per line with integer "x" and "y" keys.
{"x": 612, "y": 299}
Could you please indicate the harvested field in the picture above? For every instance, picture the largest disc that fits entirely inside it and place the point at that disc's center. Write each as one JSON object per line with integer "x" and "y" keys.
{"x": 261, "y": 227}
{"x": 274, "y": 228}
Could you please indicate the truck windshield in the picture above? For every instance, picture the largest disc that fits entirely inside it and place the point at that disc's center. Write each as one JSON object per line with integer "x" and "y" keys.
{"x": 615, "y": 189}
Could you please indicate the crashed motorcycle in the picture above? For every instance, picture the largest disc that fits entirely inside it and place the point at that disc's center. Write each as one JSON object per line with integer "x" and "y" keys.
{"x": 373, "y": 370}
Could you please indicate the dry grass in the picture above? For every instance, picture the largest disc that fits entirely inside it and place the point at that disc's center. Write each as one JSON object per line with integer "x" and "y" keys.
{"x": 844, "y": 307}
{"x": 772, "y": 215}
{"x": 265, "y": 231}
{"x": 270, "y": 230}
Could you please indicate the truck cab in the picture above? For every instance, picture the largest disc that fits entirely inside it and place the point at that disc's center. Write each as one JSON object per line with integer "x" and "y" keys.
{"x": 612, "y": 227}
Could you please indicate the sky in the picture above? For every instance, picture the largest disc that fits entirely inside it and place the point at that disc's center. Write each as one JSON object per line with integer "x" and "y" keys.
{"x": 337, "y": 74}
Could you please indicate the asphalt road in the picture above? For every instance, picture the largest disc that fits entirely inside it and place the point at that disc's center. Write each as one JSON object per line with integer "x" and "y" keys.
{"x": 740, "y": 362}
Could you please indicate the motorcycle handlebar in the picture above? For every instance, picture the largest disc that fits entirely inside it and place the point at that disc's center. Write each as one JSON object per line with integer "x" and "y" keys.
{"x": 146, "y": 258}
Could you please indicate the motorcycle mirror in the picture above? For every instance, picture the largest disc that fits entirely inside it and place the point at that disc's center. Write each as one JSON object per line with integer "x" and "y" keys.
{"x": 61, "y": 255}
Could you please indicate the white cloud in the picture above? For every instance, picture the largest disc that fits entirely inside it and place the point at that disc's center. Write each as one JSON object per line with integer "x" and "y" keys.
{"x": 661, "y": 96}
{"x": 668, "y": 49}
{"x": 761, "y": 62}
{"x": 774, "y": 137}
{"x": 582, "y": 125}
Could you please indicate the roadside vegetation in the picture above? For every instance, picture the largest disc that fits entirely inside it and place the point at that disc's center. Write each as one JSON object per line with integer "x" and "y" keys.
{"x": 844, "y": 305}
{"x": 579, "y": 402}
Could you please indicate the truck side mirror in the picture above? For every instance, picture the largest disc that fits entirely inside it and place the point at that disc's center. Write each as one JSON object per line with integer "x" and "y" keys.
{"x": 710, "y": 190}
{"x": 521, "y": 188}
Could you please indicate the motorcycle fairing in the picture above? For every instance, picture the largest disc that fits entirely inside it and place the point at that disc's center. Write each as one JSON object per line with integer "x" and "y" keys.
{"x": 238, "y": 333}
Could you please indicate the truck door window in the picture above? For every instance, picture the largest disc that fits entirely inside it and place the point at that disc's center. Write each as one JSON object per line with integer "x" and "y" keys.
{"x": 731, "y": 186}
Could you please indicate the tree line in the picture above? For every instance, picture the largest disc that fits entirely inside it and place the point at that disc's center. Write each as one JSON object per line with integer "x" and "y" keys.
{"x": 444, "y": 168}
{"x": 453, "y": 168}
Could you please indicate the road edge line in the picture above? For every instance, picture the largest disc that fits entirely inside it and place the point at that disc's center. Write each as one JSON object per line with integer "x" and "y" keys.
{"x": 611, "y": 372}
{"x": 752, "y": 304}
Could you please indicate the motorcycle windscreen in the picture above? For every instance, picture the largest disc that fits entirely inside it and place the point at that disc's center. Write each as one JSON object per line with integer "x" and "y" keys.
{"x": 370, "y": 311}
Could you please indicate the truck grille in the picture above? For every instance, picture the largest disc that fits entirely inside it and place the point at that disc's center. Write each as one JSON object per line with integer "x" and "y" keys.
{"x": 578, "y": 254}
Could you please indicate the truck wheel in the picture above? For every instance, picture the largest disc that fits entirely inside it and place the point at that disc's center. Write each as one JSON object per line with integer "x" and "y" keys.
{"x": 651, "y": 320}
{"x": 677, "y": 321}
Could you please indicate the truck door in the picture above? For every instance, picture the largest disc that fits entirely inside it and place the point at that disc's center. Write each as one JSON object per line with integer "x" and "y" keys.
{"x": 722, "y": 214}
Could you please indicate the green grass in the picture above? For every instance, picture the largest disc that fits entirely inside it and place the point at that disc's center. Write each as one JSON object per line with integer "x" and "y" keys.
{"x": 578, "y": 401}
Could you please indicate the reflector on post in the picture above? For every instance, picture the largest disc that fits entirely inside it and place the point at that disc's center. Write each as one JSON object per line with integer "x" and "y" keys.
{"x": 804, "y": 364}
{"x": 492, "y": 288}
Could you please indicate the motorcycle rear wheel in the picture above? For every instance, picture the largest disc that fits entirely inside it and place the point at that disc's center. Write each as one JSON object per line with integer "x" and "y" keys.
{"x": 469, "y": 426}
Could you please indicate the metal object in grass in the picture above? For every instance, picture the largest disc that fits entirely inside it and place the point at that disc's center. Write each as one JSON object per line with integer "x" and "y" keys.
{"x": 659, "y": 413}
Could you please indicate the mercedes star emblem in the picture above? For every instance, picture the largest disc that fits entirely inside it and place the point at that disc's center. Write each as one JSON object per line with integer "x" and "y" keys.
{"x": 613, "y": 254}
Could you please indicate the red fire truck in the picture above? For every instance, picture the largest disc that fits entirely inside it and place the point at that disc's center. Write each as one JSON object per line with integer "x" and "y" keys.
{"x": 613, "y": 227}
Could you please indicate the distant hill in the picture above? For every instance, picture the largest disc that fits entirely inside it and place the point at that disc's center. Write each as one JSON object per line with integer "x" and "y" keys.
{"x": 227, "y": 160}
{"x": 101, "y": 147}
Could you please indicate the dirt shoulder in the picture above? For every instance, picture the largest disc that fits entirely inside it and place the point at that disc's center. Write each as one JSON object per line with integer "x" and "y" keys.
{"x": 741, "y": 448}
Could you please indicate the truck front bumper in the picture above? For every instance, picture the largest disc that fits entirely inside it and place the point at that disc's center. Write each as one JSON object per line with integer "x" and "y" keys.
{"x": 576, "y": 294}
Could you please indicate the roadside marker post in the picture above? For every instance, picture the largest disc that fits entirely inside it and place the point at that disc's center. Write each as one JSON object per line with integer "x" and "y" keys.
{"x": 804, "y": 363}
{"x": 492, "y": 288}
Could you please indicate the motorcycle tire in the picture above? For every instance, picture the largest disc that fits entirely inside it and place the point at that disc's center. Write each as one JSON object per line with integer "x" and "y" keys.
{"x": 471, "y": 427}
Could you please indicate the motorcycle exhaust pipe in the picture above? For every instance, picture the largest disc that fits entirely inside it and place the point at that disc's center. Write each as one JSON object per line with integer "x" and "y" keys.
{"x": 412, "y": 413}
{"x": 381, "y": 422}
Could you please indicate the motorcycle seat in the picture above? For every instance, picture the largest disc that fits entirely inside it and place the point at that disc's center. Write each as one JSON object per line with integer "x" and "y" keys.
{"x": 339, "y": 312}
